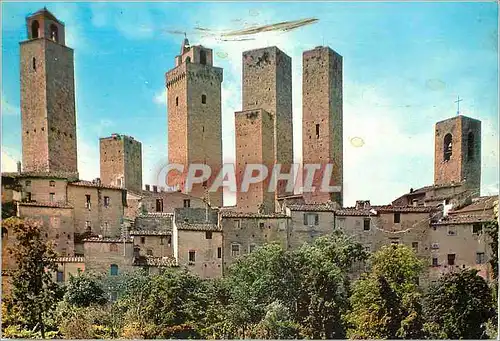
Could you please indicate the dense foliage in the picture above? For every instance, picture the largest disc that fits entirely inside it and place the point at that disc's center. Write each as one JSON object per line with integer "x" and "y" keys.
{"x": 270, "y": 293}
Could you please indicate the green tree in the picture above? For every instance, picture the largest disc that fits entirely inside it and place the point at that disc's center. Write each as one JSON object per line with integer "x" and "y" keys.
{"x": 386, "y": 302}
{"x": 458, "y": 306}
{"x": 83, "y": 290}
{"x": 34, "y": 293}
{"x": 277, "y": 323}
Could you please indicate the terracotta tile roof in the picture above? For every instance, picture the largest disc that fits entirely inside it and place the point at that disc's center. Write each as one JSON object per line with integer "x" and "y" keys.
{"x": 45, "y": 12}
{"x": 48, "y": 175}
{"x": 233, "y": 214}
{"x": 425, "y": 189}
{"x": 156, "y": 215}
{"x": 318, "y": 207}
{"x": 352, "y": 211}
{"x": 46, "y": 204}
{"x": 293, "y": 196}
{"x": 478, "y": 204}
{"x": 155, "y": 261}
{"x": 404, "y": 209}
{"x": 85, "y": 183}
{"x": 150, "y": 233}
{"x": 464, "y": 219}
{"x": 70, "y": 259}
{"x": 198, "y": 227}
{"x": 107, "y": 240}
{"x": 444, "y": 197}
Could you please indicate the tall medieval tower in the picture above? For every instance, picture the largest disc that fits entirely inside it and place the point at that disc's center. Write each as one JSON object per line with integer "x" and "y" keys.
{"x": 267, "y": 85}
{"x": 48, "y": 116}
{"x": 194, "y": 115}
{"x": 458, "y": 152}
{"x": 322, "y": 132}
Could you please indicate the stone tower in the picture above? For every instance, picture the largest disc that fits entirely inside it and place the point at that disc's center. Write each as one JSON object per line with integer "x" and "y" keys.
{"x": 267, "y": 84}
{"x": 458, "y": 152}
{"x": 48, "y": 116}
{"x": 322, "y": 133}
{"x": 194, "y": 115}
{"x": 254, "y": 145}
{"x": 121, "y": 162}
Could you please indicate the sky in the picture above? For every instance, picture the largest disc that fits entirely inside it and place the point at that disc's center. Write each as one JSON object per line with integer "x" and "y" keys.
{"x": 404, "y": 66}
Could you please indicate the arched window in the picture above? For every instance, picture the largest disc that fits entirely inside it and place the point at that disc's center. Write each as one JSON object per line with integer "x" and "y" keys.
{"x": 33, "y": 64}
{"x": 447, "y": 149}
{"x": 114, "y": 269}
{"x": 188, "y": 60}
{"x": 203, "y": 57}
{"x": 470, "y": 146}
{"x": 35, "y": 27}
{"x": 204, "y": 99}
{"x": 54, "y": 33}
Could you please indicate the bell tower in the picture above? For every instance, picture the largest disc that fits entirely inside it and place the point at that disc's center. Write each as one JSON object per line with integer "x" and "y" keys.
{"x": 48, "y": 115}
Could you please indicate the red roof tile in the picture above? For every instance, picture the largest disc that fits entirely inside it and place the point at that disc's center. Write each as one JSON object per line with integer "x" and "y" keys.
{"x": 85, "y": 183}
{"x": 46, "y": 204}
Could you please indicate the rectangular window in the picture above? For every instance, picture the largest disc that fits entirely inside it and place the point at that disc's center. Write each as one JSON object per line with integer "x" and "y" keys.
{"x": 169, "y": 240}
{"x": 208, "y": 235}
{"x": 261, "y": 225}
{"x": 237, "y": 224}
{"x": 219, "y": 252}
{"x": 106, "y": 201}
{"x": 192, "y": 256}
{"x": 28, "y": 183}
{"x": 451, "y": 231}
{"x": 143, "y": 240}
{"x": 161, "y": 240}
{"x": 87, "y": 201}
{"x": 52, "y": 183}
{"x": 149, "y": 252}
{"x": 414, "y": 245}
{"x": 397, "y": 218}
{"x": 251, "y": 248}
{"x": 159, "y": 205}
{"x": 340, "y": 223}
{"x": 477, "y": 228}
{"x": 366, "y": 224}
{"x": 480, "y": 259}
{"x": 52, "y": 197}
{"x": 187, "y": 203}
{"x": 60, "y": 276}
{"x": 435, "y": 261}
{"x": 113, "y": 269}
{"x": 311, "y": 219}
{"x": 87, "y": 226}
{"x": 394, "y": 241}
{"x": 451, "y": 259}
{"x": 28, "y": 196}
{"x": 235, "y": 250}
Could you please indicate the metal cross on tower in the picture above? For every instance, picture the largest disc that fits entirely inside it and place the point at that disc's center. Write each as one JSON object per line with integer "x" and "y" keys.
{"x": 458, "y": 104}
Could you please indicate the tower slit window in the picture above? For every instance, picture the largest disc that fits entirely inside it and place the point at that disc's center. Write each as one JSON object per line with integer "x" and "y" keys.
{"x": 470, "y": 146}
{"x": 317, "y": 131}
{"x": 204, "y": 99}
{"x": 34, "y": 64}
{"x": 203, "y": 57}
{"x": 447, "y": 147}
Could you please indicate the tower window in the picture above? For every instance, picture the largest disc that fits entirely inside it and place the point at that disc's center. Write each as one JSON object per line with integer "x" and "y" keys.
{"x": 177, "y": 101}
{"x": 187, "y": 203}
{"x": 317, "y": 131}
{"x": 35, "y": 26}
{"x": 159, "y": 205}
{"x": 203, "y": 57}
{"x": 34, "y": 64}
{"x": 54, "y": 33}
{"x": 447, "y": 150}
{"x": 204, "y": 99}
{"x": 470, "y": 146}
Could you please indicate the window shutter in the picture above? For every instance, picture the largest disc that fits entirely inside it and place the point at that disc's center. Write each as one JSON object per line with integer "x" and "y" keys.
{"x": 316, "y": 219}
{"x": 305, "y": 218}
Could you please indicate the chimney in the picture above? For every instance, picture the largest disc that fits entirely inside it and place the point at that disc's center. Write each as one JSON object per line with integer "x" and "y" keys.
{"x": 19, "y": 167}
{"x": 367, "y": 205}
{"x": 411, "y": 190}
{"x": 155, "y": 188}
{"x": 97, "y": 181}
{"x": 360, "y": 204}
{"x": 147, "y": 188}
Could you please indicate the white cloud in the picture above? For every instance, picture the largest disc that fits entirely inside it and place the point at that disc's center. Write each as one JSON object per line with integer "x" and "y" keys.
{"x": 160, "y": 97}
{"x": 10, "y": 157}
{"x": 8, "y": 108}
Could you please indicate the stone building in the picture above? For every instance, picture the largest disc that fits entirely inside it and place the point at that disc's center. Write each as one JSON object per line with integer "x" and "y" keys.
{"x": 194, "y": 116}
{"x": 254, "y": 145}
{"x": 121, "y": 162}
{"x": 322, "y": 130}
{"x": 267, "y": 85}
{"x": 48, "y": 116}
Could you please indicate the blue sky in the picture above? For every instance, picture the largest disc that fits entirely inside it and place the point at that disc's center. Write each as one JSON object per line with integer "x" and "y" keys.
{"x": 404, "y": 65}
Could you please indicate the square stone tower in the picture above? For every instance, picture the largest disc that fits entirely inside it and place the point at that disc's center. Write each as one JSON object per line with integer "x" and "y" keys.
{"x": 267, "y": 84}
{"x": 121, "y": 162}
{"x": 48, "y": 116}
{"x": 322, "y": 106}
{"x": 194, "y": 115}
{"x": 458, "y": 152}
{"x": 254, "y": 145}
